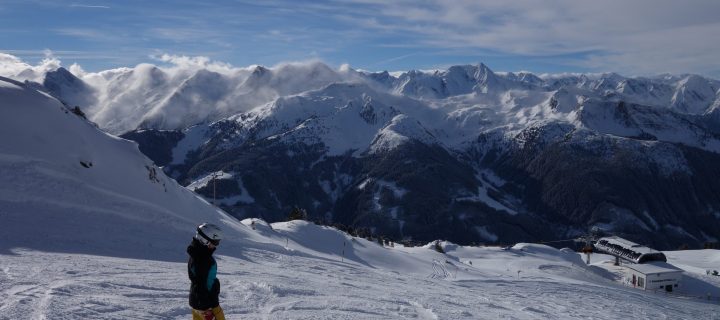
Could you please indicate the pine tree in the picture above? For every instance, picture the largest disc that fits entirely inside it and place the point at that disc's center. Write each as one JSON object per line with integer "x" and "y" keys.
{"x": 297, "y": 214}
{"x": 439, "y": 247}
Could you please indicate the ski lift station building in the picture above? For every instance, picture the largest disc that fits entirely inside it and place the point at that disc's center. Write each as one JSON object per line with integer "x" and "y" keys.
{"x": 647, "y": 268}
{"x": 653, "y": 276}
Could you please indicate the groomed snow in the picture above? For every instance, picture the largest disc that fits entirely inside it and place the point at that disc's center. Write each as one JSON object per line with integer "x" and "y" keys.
{"x": 309, "y": 279}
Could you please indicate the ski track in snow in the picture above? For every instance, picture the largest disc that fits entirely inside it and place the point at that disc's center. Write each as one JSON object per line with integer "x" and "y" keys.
{"x": 266, "y": 285}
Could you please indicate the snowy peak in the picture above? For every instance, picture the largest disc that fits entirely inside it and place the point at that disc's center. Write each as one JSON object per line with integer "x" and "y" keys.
{"x": 344, "y": 116}
{"x": 640, "y": 86}
{"x": 421, "y": 85}
{"x": 647, "y": 123}
{"x": 566, "y": 100}
{"x": 55, "y": 80}
{"x": 606, "y": 82}
{"x": 525, "y": 78}
{"x": 693, "y": 94}
{"x": 456, "y": 80}
{"x": 400, "y": 130}
{"x": 62, "y": 84}
{"x": 259, "y": 77}
{"x": 480, "y": 78}
{"x": 486, "y": 78}
{"x": 259, "y": 72}
{"x": 384, "y": 78}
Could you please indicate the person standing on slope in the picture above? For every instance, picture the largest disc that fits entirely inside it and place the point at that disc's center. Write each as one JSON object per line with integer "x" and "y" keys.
{"x": 202, "y": 270}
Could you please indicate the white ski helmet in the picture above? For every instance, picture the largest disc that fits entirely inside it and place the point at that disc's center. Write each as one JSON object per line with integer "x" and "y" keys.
{"x": 209, "y": 233}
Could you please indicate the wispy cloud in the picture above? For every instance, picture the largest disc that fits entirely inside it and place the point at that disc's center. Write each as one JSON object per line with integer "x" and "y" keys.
{"x": 638, "y": 36}
{"x": 65, "y": 54}
{"x": 88, "y": 6}
{"x": 398, "y": 58}
{"x": 39, "y": 52}
{"x": 82, "y": 33}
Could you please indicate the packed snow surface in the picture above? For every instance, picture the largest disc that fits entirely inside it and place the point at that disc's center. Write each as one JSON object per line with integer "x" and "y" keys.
{"x": 90, "y": 229}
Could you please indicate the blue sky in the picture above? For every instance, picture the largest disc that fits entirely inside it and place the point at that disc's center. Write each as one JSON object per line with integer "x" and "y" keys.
{"x": 630, "y": 37}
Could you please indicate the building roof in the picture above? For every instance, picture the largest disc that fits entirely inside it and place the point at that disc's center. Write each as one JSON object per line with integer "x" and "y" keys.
{"x": 653, "y": 267}
{"x": 629, "y": 250}
{"x": 629, "y": 244}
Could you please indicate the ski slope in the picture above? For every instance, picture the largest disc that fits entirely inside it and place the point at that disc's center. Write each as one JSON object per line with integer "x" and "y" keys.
{"x": 88, "y": 230}
{"x": 269, "y": 281}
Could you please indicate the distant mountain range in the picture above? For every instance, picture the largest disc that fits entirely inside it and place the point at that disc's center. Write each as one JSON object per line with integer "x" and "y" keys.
{"x": 463, "y": 154}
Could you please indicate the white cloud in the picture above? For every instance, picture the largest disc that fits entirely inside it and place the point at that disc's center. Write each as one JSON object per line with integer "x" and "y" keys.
{"x": 182, "y": 63}
{"x": 77, "y": 70}
{"x": 633, "y": 37}
{"x": 11, "y": 66}
{"x": 181, "y": 91}
{"x": 630, "y": 37}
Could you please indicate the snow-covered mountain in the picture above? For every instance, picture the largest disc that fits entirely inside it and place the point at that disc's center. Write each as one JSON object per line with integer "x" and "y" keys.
{"x": 173, "y": 98}
{"x": 465, "y": 153}
{"x": 148, "y": 96}
{"x": 492, "y": 159}
{"x": 68, "y": 185}
{"x": 91, "y": 228}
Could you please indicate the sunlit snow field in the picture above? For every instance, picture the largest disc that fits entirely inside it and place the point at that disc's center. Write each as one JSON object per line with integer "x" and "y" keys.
{"x": 274, "y": 282}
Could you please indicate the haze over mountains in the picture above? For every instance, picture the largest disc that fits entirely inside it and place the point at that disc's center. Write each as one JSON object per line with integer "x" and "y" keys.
{"x": 464, "y": 154}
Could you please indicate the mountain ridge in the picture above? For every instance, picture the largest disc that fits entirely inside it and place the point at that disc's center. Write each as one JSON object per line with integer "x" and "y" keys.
{"x": 313, "y": 144}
